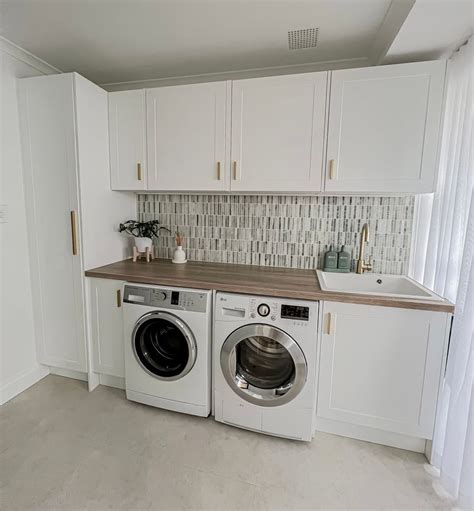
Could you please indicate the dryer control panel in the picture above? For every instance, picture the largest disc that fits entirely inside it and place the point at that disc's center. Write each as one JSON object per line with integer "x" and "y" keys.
{"x": 193, "y": 301}
{"x": 295, "y": 312}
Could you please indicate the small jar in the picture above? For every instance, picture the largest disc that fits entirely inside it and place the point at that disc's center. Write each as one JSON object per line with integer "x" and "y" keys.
{"x": 179, "y": 255}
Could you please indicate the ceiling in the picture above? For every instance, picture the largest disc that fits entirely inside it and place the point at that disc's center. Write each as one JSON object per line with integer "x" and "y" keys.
{"x": 111, "y": 41}
{"x": 432, "y": 30}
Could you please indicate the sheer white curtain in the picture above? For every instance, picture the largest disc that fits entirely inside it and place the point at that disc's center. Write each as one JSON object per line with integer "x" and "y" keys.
{"x": 438, "y": 250}
{"x": 453, "y": 441}
{"x": 445, "y": 263}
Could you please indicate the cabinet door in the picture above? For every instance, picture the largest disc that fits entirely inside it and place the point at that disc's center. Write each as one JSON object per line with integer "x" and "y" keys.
{"x": 384, "y": 126}
{"x": 278, "y": 133}
{"x": 380, "y": 367}
{"x": 50, "y": 164}
{"x": 186, "y": 127}
{"x": 106, "y": 326}
{"x": 127, "y": 123}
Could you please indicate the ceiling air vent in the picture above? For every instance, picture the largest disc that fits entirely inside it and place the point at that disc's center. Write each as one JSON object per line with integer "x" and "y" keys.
{"x": 304, "y": 38}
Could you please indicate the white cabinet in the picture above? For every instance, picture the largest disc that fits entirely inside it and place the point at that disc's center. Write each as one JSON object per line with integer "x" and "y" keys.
{"x": 186, "y": 130}
{"x": 384, "y": 125}
{"x": 365, "y": 130}
{"x": 52, "y": 199}
{"x": 278, "y": 133}
{"x": 127, "y": 128}
{"x": 380, "y": 367}
{"x": 71, "y": 211}
{"x": 106, "y": 326}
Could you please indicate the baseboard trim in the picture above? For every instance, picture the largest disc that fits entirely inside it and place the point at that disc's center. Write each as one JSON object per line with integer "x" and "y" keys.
{"x": 22, "y": 382}
{"x": 112, "y": 381}
{"x": 68, "y": 373}
{"x": 375, "y": 436}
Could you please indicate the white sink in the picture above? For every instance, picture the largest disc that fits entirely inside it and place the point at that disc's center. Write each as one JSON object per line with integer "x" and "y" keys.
{"x": 397, "y": 286}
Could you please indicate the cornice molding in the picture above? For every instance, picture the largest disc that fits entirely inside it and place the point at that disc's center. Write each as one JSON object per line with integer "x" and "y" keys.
{"x": 28, "y": 58}
{"x": 240, "y": 74}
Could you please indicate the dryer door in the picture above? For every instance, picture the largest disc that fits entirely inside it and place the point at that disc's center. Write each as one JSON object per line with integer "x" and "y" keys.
{"x": 263, "y": 365}
{"x": 164, "y": 345}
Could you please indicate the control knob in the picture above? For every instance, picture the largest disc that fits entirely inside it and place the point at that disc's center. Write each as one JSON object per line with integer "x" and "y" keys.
{"x": 263, "y": 309}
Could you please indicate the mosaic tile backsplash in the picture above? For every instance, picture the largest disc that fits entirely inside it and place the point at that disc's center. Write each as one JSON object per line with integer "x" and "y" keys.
{"x": 285, "y": 231}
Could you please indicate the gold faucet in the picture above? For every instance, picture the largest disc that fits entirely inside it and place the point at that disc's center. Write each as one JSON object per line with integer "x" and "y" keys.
{"x": 362, "y": 266}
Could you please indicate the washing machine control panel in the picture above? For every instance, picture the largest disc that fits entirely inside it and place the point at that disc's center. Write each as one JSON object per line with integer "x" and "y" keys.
{"x": 193, "y": 301}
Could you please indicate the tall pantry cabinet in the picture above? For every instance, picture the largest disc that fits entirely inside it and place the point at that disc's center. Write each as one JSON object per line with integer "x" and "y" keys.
{"x": 72, "y": 213}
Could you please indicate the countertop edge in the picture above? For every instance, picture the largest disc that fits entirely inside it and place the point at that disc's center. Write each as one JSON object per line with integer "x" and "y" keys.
{"x": 107, "y": 272}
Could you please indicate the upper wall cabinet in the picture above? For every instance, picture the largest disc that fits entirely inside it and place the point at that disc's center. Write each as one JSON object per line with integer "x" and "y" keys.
{"x": 373, "y": 130}
{"x": 186, "y": 130}
{"x": 384, "y": 127}
{"x": 278, "y": 133}
{"x": 127, "y": 140}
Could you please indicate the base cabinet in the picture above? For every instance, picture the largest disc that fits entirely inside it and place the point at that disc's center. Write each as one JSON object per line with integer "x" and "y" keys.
{"x": 380, "y": 367}
{"x": 106, "y": 326}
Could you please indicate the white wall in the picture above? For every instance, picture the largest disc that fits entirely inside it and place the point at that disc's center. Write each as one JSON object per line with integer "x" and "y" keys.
{"x": 18, "y": 366}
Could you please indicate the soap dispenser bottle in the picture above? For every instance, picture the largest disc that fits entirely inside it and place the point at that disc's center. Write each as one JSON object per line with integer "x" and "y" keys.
{"x": 344, "y": 260}
{"x": 330, "y": 260}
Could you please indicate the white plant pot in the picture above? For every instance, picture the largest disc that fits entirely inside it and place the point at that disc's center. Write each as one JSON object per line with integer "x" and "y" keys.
{"x": 179, "y": 255}
{"x": 143, "y": 243}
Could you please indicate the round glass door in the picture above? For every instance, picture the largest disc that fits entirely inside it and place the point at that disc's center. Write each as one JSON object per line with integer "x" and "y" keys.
{"x": 164, "y": 345}
{"x": 263, "y": 365}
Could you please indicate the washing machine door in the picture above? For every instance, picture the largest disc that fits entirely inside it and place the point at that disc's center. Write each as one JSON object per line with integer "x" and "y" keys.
{"x": 263, "y": 365}
{"x": 164, "y": 345}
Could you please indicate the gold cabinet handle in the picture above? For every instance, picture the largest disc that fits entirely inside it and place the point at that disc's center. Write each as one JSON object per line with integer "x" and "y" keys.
{"x": 119, "y": 298}
{"x": 74, "y": 232}
{"x": 139, "y": 171}
{"x": 218, "y": 170}
{"x": 234, "y": 170}
{"x": 331, "y": 168}
{"x": 329, "y": 323}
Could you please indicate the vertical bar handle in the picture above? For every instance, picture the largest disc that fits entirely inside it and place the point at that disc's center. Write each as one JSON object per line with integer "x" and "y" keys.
{"x": 331, "y": 168}
{"x": 234, "y": 170}
{"x": 74, "y": 232}
{"x": 218, "y": 170}
{"x": 119, "y": 298}
{"x": 329, "y": 323}
{"x": 139, "y": 171}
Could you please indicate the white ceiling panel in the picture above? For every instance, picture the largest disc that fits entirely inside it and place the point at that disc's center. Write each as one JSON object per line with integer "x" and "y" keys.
{"x": 122, "y": 40}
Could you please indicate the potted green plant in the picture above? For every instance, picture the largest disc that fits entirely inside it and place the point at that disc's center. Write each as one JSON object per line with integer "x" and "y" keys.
{"x": 143, "y": 232}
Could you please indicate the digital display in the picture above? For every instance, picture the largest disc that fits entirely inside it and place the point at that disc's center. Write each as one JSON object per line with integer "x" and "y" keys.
{"x": 174, "y": 298}
{"x": 295, "y": 312}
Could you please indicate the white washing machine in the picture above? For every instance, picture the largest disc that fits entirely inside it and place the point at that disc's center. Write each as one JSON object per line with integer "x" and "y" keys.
{"x": 264, "y": 363}
{"x": 167, "y": 335}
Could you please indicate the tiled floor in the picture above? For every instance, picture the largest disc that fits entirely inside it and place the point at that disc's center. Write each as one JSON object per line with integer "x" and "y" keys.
{"x": 63, "y": 448}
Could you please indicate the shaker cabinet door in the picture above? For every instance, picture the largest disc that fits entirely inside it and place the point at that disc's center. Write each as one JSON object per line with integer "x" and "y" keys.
{"x": 380, "y": 367}
{"x": 384, "y": 125}
{"x": 127, "y": 128}
{"x": 278, "y": 133}
{"x": 106, "y": 326}
{"x": 47, "y": 107}
{"x": 186, "y": 131}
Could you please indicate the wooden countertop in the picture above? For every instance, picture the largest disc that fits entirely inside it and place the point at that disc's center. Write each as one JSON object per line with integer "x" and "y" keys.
{"x": 247, "y": 279}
